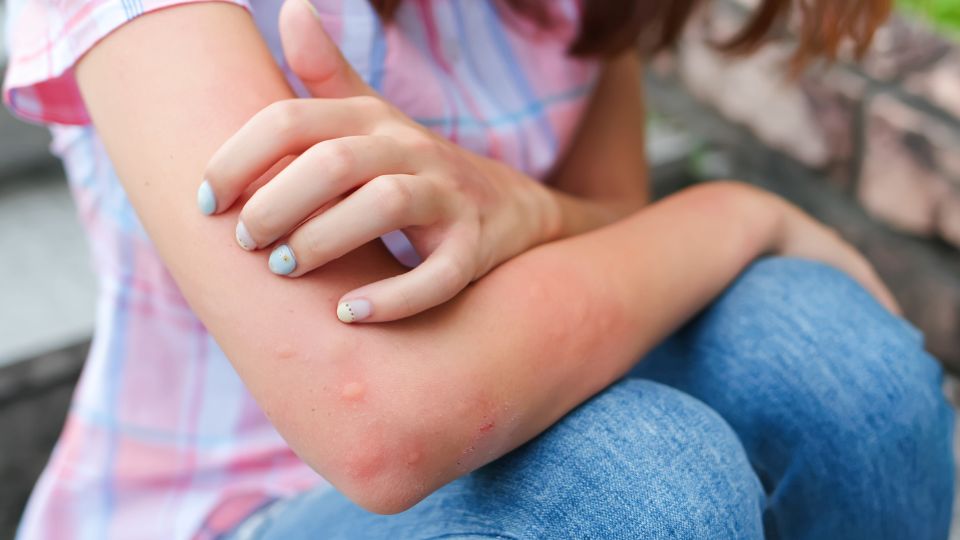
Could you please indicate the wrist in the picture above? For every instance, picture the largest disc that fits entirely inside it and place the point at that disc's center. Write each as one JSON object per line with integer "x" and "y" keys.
{"x": 763, "y": 217}
{"x": 571, "y": 215}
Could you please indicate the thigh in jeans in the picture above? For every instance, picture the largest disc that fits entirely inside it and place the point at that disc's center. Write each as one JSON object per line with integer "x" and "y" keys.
{"x": 838, "y": 406}
{"x": 640, "y": 460}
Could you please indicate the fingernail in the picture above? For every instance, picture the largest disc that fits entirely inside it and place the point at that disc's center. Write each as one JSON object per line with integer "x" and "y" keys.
{"x": 313, "y": 9}
{"x": 282, "y": 261}
{"x": 351, "y": 311}
{"x": 244, "y": 238}
{"x": 206, "y": 200}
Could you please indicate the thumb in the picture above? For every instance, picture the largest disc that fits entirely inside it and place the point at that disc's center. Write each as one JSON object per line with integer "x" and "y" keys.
{"x": 314, "y": 57}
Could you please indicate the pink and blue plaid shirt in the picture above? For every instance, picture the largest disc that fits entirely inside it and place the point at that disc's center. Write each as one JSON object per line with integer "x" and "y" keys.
{"x": 162, "y": 439}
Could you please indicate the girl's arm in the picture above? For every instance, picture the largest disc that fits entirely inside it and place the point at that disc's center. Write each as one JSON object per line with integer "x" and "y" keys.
{"x": 388, "y": 413}
{"x": 605, "y": 170}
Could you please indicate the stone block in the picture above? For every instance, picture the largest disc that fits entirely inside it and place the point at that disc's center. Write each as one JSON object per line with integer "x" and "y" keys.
{"x": 907, "y": 168}
{"x": 755, "y": 92}
{"x": 901, "y": 47}
{"x": 948, "y": 220}
{"x": 940, "y": 83}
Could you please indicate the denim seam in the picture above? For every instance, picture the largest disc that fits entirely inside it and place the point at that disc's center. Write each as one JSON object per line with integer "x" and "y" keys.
{"x": 473, "y": 534}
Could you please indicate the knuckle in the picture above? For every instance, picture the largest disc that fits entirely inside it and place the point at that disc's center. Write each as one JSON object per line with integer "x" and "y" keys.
{"x": 394, "y": 197}
{"x": 369, "y": 105}
{"x": 284, "y": 117}
{"x": 420, "y": 143}
{"x": 450, "y": 274}
{"x": 336, "y": 158}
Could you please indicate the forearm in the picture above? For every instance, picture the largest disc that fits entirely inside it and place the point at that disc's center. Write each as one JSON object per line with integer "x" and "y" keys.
{"x": 603, "y": 177}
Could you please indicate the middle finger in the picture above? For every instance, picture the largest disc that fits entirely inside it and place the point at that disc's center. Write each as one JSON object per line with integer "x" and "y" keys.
{"x": 325, "y": 171}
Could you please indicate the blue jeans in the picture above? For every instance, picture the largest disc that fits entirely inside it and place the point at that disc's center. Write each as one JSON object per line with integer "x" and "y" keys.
{"x": 794, "y": 407}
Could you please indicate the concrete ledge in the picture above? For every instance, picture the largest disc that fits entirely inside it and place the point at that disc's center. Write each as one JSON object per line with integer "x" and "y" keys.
{"x": 47, "y": 286}
{"x": 34, "y": 396}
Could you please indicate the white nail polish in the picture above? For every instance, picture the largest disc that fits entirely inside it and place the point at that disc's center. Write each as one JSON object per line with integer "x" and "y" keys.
{"x": 244, "y": 238}
{"x": 351, "y": 311}
{"x": 313, "y": 9}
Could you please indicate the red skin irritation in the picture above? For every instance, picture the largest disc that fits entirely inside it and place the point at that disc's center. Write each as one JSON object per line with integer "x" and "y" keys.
{"x": 353, "y": 391}
{"x": 366, "y": 463}
{"x": 414, "y": 457}
{"x": 487, "y": 427}
{"x": 285, "y": 352}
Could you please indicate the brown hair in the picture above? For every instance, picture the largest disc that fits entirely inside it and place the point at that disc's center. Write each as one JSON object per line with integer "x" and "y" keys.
{"x": 609, "y": 27}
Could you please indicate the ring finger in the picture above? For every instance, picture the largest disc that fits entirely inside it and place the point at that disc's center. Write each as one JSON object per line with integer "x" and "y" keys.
{"x": 382, "y": 205}
{"x": 322, "y": 173}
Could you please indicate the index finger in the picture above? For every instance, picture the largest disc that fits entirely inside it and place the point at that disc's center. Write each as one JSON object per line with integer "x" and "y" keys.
{"x": 281, "y": 129}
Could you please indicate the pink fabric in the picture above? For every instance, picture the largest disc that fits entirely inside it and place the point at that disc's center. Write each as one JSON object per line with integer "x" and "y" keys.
{"x": 162, "y": 439}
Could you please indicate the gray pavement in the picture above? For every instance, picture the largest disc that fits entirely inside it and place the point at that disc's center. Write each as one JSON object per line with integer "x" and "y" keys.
{"x": 46, "y": 285}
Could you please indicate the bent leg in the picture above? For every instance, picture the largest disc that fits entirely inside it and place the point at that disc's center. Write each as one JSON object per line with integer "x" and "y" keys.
{"x": 838, "y": 406}
{"x": 640, "y": 460}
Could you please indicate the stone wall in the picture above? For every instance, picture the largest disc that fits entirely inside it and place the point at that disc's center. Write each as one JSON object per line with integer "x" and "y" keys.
{"x": 873, "y": 147}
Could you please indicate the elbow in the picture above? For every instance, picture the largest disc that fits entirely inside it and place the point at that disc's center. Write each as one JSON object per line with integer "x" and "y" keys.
{"x": 385, "y": 460}
{"x": 385, "y": 435}
{"x": 380, "y": 470}
{"x": 383, "y": 499}
{"x": 377, "y": 479}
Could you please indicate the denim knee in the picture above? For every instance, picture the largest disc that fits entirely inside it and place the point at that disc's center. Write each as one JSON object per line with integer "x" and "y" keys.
{"x": 829, "y": 392}
{"x": 640, "y": 460}
{"x": 849, "y": 357}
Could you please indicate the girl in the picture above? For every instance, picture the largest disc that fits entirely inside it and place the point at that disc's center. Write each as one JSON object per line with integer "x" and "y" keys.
{"x": 783, "y": 399}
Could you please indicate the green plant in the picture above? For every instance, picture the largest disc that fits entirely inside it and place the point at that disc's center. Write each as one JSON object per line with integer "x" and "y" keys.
{"x": 945, "y": 13}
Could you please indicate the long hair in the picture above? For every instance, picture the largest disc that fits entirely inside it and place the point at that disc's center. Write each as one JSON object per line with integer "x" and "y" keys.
{"x": 609, "y": 27}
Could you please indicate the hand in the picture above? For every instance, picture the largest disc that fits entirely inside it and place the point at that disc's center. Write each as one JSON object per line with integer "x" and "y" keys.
{"x": 802, "y": 236}
{"x": 364, "y": 169}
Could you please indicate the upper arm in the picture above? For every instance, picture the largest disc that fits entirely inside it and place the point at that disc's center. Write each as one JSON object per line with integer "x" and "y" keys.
{"x": 607, "y": 158}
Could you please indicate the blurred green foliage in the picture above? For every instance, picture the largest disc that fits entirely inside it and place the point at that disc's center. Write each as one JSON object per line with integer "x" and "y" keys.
{"x": 945, "y": 13}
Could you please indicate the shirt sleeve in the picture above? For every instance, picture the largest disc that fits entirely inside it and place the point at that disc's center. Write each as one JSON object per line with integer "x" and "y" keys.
{"x": 45, "y": 38}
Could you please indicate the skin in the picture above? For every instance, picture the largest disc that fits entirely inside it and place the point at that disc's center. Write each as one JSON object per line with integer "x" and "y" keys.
{"x": 390, "y": 412}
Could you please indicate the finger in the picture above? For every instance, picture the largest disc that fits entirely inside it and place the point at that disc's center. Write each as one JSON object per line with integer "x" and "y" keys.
{"x": 322, "y": 173}
{"x": 281, "y": 129}
{"x": 867, "y": 276}
{"x": 313, "y": 57}
{"x": 439, "y": 278}
{"x": 382, "y": 205}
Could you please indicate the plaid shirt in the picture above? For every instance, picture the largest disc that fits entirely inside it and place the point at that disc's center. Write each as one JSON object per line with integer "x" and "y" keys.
{"x": 162, "y": 439}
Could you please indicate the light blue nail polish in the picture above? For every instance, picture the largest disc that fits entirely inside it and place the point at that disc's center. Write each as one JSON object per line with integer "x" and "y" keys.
{"x": 206, "y": 200}
{"x": 282, "y": 261}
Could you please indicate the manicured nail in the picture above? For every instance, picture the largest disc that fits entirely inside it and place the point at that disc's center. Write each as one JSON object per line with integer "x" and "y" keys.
{"x": 350, "y": 311}
{"x": 282, "y": 261}
{"x": 206, "y": 200}
{"x": 244, "y": 238}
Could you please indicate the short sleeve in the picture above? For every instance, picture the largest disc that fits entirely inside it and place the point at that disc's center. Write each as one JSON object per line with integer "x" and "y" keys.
{"x": 45, "y": 38}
